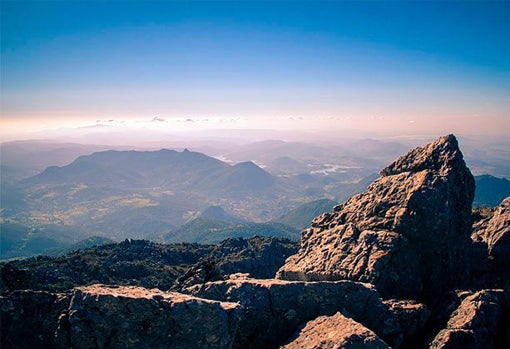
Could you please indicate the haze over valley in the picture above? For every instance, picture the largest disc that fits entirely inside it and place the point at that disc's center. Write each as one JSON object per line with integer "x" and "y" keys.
{"x": 57, "y": 194}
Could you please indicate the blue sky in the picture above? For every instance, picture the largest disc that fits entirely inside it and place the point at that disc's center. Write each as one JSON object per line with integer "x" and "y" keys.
{"x": 403, "y": 66}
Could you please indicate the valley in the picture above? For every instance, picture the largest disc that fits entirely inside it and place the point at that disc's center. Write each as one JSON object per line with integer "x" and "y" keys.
{"x": 164, "y": 195}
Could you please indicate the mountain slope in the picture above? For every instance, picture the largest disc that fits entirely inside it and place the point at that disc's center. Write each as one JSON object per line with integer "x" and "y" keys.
{"x": 210, "y": 231}
{"x": 301, "y": 217}
{"x": 134, "y": 169}
{"x": 490, "y": 190}
{"x": 178, "y": 171}
{"x": 138, "y": 194}
{"x": 218, "y": 213}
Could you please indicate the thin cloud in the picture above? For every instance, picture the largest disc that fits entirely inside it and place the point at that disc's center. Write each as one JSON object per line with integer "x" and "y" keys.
{"x": 110, "y": 121}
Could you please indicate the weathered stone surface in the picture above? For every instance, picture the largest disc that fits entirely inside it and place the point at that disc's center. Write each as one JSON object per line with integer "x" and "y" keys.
{"x": 335, "y": 332}
{"x": 101, "y": 316}
{"x": 407, "y": 234}
{"x": 273, "y": 309}
{"x": 498, "y": 231}
{"x": 490, "y": 249}
{"x": 474, "y": 324}
{"x": 29, "y": 319}
{"x": 494, "y": 231}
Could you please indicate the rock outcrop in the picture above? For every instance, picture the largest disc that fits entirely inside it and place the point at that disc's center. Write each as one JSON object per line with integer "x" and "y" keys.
{"x": 495, "y": 232}
{"x": 273, "y": 309}
{"x": 101, "y": 316}
{"x": 335, "y": 331}
{"x": 474, "y": 324}
{"x": 407, "y": 234}
{"x": 490, "y": 250}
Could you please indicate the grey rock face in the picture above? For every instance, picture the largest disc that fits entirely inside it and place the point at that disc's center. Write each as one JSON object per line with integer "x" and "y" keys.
{"x": 407, "y": 234}
{"x": 494, "y": 231}
{"x": 490, "y": 250}
{"x": 335, "y": 331}
{"x": 273, "y": 309}
{"x": 101, "y": 316}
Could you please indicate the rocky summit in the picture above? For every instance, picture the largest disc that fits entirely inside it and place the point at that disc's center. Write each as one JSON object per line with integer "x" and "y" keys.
{"x": 407, "y": 234}
{"x": 406, "y": 264}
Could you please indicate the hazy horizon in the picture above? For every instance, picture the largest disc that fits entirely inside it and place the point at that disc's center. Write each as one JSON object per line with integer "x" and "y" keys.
{"x": 345, "y": 68}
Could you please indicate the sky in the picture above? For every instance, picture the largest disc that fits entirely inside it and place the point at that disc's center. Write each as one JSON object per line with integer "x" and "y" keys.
{"x": 375, "y": 66}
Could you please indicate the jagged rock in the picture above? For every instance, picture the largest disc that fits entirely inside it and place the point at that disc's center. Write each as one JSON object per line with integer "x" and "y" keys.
{"x": 259, "y": 256}
{"x": 481, "y": 217}
{"x": 474, "y": 324}
{"x": 407, "y": 234}
{"x": 335, "y": 331}
{"x": 490, "y": 250}
{"x": 273, "y": 309}
{"x": 494, "y": 231}
{"x": 411, "y": 315}
{"x": 29, "y": 319}
{"x": 101, "y": 316}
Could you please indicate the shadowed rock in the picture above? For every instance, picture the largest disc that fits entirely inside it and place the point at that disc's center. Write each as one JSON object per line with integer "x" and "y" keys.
{"x": 29, "y": 319}
{"x": 474, "y": 324}
{"x": 101, "y": 316}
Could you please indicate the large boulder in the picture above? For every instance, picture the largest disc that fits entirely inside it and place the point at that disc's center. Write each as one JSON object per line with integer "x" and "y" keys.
{"x": 408, "y": 234}
{"x": 335, "y": 331}
{"x": 474, "y": 324}
{"x": 101, "y": 316}
{"x": 273, "y": 309}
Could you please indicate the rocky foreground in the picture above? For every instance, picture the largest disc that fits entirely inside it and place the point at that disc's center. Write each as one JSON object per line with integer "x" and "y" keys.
{"x": 406, "y": 264}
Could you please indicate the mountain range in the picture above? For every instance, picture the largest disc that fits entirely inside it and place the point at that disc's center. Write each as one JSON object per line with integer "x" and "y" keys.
{"x": 165, "y": 195}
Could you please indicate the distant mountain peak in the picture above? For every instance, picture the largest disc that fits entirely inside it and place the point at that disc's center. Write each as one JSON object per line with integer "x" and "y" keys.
{"x": 218, "y": 213}
{"x": 247, "y": 164}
